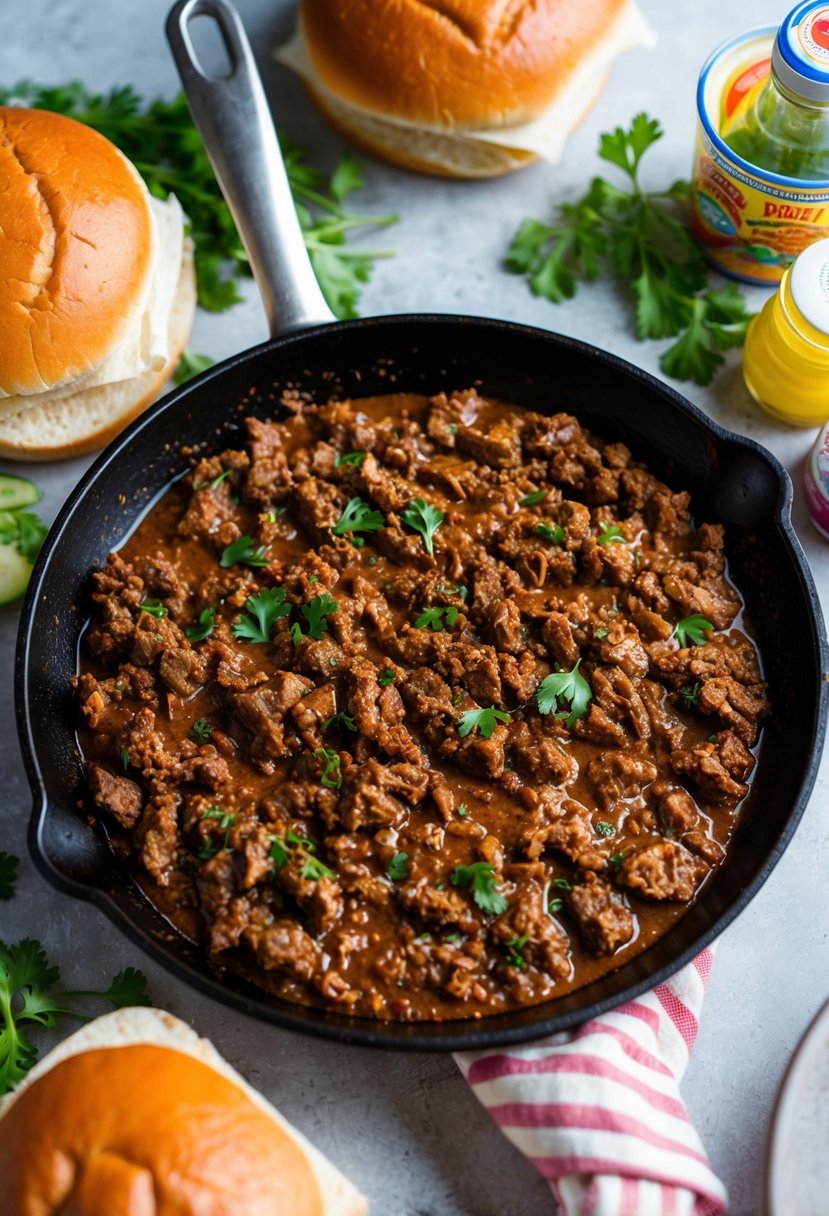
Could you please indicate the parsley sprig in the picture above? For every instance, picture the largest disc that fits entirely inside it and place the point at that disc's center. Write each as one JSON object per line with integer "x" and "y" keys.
{"x": 206, "y": 625}
{"x": 569, "y": 686}
{"x": 642, "y": 236}
{"x": 398, "y": 867}
{"x": 482, "y": 720}
{"x": 30, "y": 996}
{"x": 264, "y": 610}
{"x": 611, "y": 534}
{"x": 160, "y": 139}
{"x": 331, "y": 776}
{"x": 423, "y": 517}
{"x": 437, "y": 618}
{"x": 23, "y": 529}
{"x": 315, "y": 613}
{"x": 692, "y": 630}
{"x": 243, "y": 551}
{"x": 358, "y": 517}
{"x": 480, "y": 876}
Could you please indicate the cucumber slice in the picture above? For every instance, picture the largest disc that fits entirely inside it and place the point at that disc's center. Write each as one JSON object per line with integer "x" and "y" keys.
{"x": 17, "y": 492}
{"x": 14, "y": 574}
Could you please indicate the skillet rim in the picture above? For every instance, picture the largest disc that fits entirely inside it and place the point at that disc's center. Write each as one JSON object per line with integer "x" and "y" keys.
{"x": 461, "y": 1034}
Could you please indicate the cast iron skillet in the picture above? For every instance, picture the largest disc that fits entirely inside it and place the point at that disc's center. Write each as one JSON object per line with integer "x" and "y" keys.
{"x": 732, "y": 480}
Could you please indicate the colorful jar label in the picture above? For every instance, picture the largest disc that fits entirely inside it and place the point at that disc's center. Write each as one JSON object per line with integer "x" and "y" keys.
{"x": 753, "y": 223}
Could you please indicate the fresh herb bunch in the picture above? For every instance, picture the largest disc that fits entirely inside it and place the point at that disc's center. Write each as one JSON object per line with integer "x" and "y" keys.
{"x": 30, "y": 996}
{"x": 643, "y": 237}
{"x": 23, "y": 529}
{"x": 160, "y": 139}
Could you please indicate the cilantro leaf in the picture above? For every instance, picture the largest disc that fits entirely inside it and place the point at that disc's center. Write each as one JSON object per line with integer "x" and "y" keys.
{"x": 568, "y": 686}
{"x": 201, "y": 730}
{"x": 316, "y": 612}
{"x": 23, "y": 529}
{"x": 689, "y": 695}
{"x": 551, "y": 532}
{"x": 611, "y": 534}
{"x": 331, "y": 776}
{"x": 354, "y": 458}
{"x": 154, "y": 608}
{"x": 264, "y": 610}
{"x": 482, "y": 720}
{"x": 341, "y": 719}
{"x": 191, "y": 365}
{"x": 8, "y": 874}
{"x": 206, "y": 625}
{"x": 358, "y": 517}
{"x": 604, "y": 828}
{"x": 313, "y": 868}
{"x": 398, "y": 867}
{"x": 386, "y": 677}
{"x": 692, "y": 629}
{"x": 481, "y": 877}
{"x": 532, "y": 500}
{"x": 243, "y": 551}
{"x": 424, "y": 518}
{"x": 28, "y": 997}
{"x": 437, "y": 618}
{"x": 515, "y": 951}
{"x": 645, "y": 238}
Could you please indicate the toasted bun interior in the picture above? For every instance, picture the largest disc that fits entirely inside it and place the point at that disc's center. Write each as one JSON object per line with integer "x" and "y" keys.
{"x": 76, "y": 249}
{"x": 114, "y": 1125}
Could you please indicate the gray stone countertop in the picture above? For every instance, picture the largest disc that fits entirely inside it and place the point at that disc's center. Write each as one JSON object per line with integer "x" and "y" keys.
{"x": 406, "y": 1127}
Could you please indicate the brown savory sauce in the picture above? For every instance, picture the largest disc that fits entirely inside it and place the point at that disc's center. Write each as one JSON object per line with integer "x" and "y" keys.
{"x": 420, "y": 709}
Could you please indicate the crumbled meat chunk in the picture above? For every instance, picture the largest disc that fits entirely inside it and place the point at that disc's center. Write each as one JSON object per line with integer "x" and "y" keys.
{"x": 604, "y": 919}
{"x": 665, "y": 871}
{"x": 118, "y": 795}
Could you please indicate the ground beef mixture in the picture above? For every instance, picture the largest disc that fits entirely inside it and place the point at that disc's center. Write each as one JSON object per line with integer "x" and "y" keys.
{"x": 419, "y": 708}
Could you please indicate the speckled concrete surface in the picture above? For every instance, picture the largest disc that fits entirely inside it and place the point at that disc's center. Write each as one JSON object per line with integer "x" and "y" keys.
{"x": 405, "y": 1127}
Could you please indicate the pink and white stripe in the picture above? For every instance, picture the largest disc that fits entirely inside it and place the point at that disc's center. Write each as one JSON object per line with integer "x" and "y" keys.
{"x": 598, "y": 1112}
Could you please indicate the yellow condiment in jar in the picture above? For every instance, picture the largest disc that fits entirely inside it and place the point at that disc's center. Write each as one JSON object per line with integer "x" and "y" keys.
{"x": 786, "y": 358}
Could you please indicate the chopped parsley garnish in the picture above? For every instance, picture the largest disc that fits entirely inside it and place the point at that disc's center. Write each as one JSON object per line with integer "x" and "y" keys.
{"x": 437, "y": 618}
{"x": 692, "y": 629}
{"x": 689, "y": 695}
{"x": 462, "y": 812}
{"x": 562, "y": 884}
{"x": 28, "y": 984}
{"x": 358, "y": 517}
{"x": 331, "y": 776}
{"x": 125, "y": 758}
{"x": 515, "y": 951}
{"x": 568, "y": 686}
{"x": 341, "y": 719}
{"x": 532, "y": 500}
{"x": 244, "y": 552}
{"x": 355, "y": 458}
{"x": 611, "y": 534}
{"x": 617, "y": 858}
{"x": 154, "y": 608}
{"x": 8, "y": 874}
{"x": 201, "y": 730}
{"x": 424, "y": 518}
{"x": 386, "y": 677}
{"x": 216, "y": 844}
{"x": 481, "y": 877}
{"x": 264, "y": 611}
{"x": 604, "y": 828}
{"x": 555, "y": 905}
{"x": 551, "y": 532}
{"x": 217, "y": 481}
{"x": 206, "y": 625}
{"x": 398, "y": 867}
{"x": 313, "y": 868}
{"x": 482, "y": 720}
{"x": 225, "y": 818}
{"x": 279, "y": 852}
{"x": 460, "y": 590}
{"x": 316, "y": 612}
{"x": 601, "y": 634}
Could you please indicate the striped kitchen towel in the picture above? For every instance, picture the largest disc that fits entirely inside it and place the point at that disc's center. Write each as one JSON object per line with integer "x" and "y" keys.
{"x": 598, "y": 1110}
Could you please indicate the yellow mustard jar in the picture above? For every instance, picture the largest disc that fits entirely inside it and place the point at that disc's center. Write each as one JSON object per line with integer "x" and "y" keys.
{"x": 786, "y": 357}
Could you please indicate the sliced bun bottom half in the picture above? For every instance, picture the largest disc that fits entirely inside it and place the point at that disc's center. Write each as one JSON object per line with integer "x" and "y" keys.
{"x": 88, "y": 419}
{"x": 136, "y": 1115}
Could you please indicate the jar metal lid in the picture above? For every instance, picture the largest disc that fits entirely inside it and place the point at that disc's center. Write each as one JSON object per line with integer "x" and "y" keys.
{"x": 800, "y": 57}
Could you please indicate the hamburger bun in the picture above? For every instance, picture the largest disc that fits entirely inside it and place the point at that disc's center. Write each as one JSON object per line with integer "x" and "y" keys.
{"x": 458, "y": 88}
{"x": 135, "y": 1115}
{"x": 96, "y": 287}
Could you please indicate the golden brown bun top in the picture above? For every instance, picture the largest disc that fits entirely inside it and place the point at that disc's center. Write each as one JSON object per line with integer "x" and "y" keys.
{"x": 469, "y": 63}
{"x": 143, "y": 1130}
{"x": 76, "y": 248}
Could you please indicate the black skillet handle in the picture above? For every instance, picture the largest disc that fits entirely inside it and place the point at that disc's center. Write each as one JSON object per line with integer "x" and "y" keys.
{"x": 233, "y": 118}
